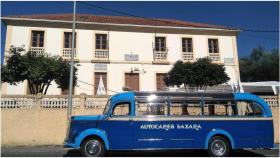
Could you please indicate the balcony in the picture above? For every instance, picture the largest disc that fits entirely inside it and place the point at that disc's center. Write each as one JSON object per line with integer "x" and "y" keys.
{"x": 37, "y": 50}
{"x": 160, "y": 57}
{"x": 215, "y": 57}
{"x": 188, "y": 56}
{"x": 66, "y": 53}
{"x": 101, "y": 56}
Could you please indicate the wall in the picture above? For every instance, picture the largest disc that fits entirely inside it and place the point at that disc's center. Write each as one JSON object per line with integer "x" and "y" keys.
{"x": 45, "y": 124}
{"x": 120, "y": 43}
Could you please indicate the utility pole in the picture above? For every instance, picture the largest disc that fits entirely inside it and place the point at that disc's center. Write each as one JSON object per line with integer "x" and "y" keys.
{"x": 69, "y": 110}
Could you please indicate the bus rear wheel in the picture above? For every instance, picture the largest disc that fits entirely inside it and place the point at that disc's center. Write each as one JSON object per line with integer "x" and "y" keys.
{"x": 93, "y": 147}
{"x": 218, "y": 147}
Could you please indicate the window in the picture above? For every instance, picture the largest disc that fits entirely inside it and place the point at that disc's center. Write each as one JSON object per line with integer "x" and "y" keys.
{"x": 98, "y": 77}
{"x": 249, "y": 108}
{"x": 132, "y": 81}
{"x": 145, "y": 107}
{"x": 121, "y": 109}
{"x": 187, "y": 45}
{"x": 68, "y": 40}
{"x": 219, "y": 108}
{"x": 37, "y": 39}
{"x": 160, "y": 44}
{"x": 213, "y": 45}
{"x": 183, "y": 107}
{"x": 100, "y": 41}
{"x": 160, "y": 81}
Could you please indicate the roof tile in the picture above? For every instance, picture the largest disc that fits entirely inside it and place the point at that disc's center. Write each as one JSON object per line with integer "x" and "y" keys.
{"x": 122, "y": 20}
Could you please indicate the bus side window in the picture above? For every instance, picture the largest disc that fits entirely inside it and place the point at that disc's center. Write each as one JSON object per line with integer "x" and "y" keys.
{"x": 151, "y": 108}
{"x": 249, "y": 108}
{"x": 121, "y": 109}
{"x": 219, "y": 108}
{"x": 179, "y": 108}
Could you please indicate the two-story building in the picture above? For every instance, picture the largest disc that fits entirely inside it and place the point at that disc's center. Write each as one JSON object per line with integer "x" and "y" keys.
{"x": 129, "y": 52}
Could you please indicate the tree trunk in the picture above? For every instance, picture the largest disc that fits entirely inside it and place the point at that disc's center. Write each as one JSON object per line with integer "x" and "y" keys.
{"x": 47, "y": 87}
{"x": 42, "y": 88}
{"x": 31, "y": 87}
{"x": 185, "y": 86}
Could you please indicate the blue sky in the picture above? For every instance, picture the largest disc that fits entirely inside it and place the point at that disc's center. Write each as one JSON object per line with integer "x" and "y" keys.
{"x": 243, "y": 15}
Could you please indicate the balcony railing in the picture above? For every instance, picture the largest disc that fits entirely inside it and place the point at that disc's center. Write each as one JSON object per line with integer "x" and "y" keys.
{"x": 101, "y": 55}
{"x": 160, "y": 56}
{"x": 66, "y": 53}
{"x": 37, "y": 50}
{"x": 214, "y": 57}
{"x": 188, "y": 56}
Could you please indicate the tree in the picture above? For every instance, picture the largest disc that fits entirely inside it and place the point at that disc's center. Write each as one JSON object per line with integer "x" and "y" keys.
{"x": 200, "y": 74}
{"x": 38, "y": 69}
{"x": 180, "y": 74}
{"x": 62, "y": 78}
{"x": 261, "y": 65}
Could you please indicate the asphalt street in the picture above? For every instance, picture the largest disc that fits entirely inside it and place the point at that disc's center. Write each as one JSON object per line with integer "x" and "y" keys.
{"x": 59, "y": 151}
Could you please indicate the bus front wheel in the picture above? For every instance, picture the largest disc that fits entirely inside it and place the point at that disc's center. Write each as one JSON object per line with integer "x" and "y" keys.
{"x": 218, "y": 147}
{"x": 93, "y": 147}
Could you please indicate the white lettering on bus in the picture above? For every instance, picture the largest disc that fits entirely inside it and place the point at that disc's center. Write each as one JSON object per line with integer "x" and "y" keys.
{"x": 170, "y": 126}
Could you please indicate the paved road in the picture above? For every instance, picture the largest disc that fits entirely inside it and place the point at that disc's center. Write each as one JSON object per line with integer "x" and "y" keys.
{"x": 59, "y": 151}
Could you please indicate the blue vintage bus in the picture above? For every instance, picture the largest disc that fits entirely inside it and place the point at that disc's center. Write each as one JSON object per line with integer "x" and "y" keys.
{"x": 217, "y": 122}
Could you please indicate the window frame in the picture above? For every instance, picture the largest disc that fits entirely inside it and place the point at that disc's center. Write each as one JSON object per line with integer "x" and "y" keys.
{"x": 160, "y": 45}
{"x": 119, "y": 103}
{"x": 232, "y": 105}
{"x": 38, "y": 38}
{"x": 250, "y": 116}
{"x": 100, "y": 44}
{"x": 201, "y": 105}
{"x": 70, "y": 40}
{"x": 165, "y": 103}
{"x": 186, "y": 45}
{"x": 212, "y": 44}
{"x": 95, "y": 88}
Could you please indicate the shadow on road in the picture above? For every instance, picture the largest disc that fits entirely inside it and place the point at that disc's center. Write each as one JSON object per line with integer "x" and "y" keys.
{"x": 173, "y": 153}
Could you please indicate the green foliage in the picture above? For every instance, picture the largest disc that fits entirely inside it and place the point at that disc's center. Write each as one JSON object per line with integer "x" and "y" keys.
{"x": 261, "y": 65}
{"x": 38, "y": 69}
{"x": 199, "y": 74}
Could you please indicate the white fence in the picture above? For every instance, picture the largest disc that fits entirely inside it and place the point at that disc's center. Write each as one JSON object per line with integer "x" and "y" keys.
{"x": 273, "y": 101}
{"x": 85, "y": 101}
{"x": 18, "y": 101}
{"x": 51, "y": 101}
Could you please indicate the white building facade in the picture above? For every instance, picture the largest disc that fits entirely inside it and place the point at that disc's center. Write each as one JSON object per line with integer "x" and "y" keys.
{"x": 124, "y": 52}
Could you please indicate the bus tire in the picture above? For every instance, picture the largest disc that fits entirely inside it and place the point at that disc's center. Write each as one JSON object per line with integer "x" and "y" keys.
{"x": 218, "y": 146}
{"x": 93, "y": 147}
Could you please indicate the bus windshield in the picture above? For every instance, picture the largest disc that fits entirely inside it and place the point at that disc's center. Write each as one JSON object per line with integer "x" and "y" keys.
{"x": 107, "y": 107}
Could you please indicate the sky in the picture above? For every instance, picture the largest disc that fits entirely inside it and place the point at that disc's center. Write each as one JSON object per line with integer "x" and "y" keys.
{"x": 243, "y": 15}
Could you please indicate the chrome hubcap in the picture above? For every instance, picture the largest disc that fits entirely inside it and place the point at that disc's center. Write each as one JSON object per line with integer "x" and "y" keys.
{"x": 93, "y": 147}
{"x": 218, "y": 147}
